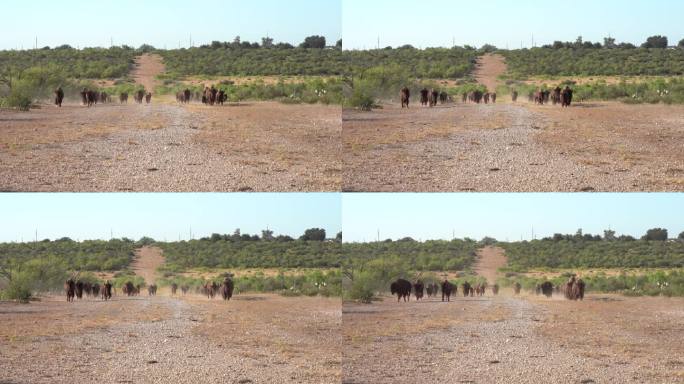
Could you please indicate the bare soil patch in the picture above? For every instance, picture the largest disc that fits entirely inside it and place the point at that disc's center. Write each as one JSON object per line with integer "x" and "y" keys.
{"x": 604, "y": 147}
{"x": 250, "y": 339}
{"x": 145, "y": 70}
{"x": 505, "y": 339}
{"x": 488, "y": 69}
{"x": 169, "y": 148}
{"x": 490, "y": 259}
{"x": 146, "y": 262}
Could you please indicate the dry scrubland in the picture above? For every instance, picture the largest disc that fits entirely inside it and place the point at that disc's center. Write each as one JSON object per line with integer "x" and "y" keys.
{"x": 597, "y": 146}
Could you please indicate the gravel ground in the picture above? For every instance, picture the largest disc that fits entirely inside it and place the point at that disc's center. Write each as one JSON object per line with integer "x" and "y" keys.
{"x": 167, "y": 349}
{"x": 484, "y": 148}
{"x": 471, "y": 344}
{"x": 155, "y": 148}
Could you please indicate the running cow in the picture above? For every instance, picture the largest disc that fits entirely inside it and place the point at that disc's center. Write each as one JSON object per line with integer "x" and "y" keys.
{"x": 402, "y": 288}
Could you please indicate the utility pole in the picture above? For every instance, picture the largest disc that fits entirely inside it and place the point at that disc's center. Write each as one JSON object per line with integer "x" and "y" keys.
{"x": 36, "y": 235}
{"x": 191, "y": 232}
{"x": 533, "y": 232}
{"x": 533, "y": 46}
{"x": 378, "y": 41}
{"x": 111, "y": 234}
{"x": 36, "y": 42}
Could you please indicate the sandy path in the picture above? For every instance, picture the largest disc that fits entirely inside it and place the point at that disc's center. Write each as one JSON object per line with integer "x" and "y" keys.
{"x": 145, "y": 70}
{"x": 149, "y": 340}
{"x": 490, "y": 259}
{"x": 506, "y": 339}
{"x": 146, "y": 262}
{"x": 488, "y": 69}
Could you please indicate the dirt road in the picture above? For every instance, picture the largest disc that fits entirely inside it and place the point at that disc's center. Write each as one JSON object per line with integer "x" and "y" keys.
{"x": 523, "y": 340}
{"x": 606, "y": 147}
{"x": 145, "y": 70}
{"x": 490, "y": 259}
{"x": 488, "y": 69}
{"x": 264, "y": 146}
{"x": 251, "y": 339}
{"x": 146, "y": 262}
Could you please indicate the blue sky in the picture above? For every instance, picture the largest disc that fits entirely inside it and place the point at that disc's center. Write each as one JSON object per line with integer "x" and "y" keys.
{"x": 505, "y": 22}
{"x": 164, "y": 23}
{"x": 163, "y": 216}
{"x": 506, "y": 216}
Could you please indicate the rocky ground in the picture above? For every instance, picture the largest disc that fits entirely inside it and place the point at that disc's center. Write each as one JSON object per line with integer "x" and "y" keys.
{"x": 507, "y": 339}
{"x": 251, "y": 339}
{"x": 606, "y": 147}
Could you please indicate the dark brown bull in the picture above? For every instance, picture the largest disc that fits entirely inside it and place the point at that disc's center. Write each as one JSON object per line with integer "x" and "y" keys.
{"x": 107, "y": 291}
{"x": 103, "y": 97}
{"x": 70, "y": 288}
{"x": 424, "y": 99}
{"x": 152, "y": 290}
{"x": 184, "y": 289}
{"x": 466, "y": 288}
{"x": 128, "y": 289}
{"x": 566, "y": 97}
{"x": 556, "y": 96}
{"x": 447, "y": 289}
{"x": 221, "y": 97}
{"x": 443, "y": 97}
{"x": 174, "y": 288}
{"x": 59, "y": 97}
{"x": 139, "y": 96}
{"x": 486, "y": 97}
{"x": 493, "y": 97}
{"x": 148, "y": 97}
{"x": 516, "y": 288}
{"x": 123, "y": 98}
{"x": 227, "y": 289}
{"x": 79, "y": 289}
{"x": 418, "y": 289}
{"x": 87, "y": 288}
{"x": 547, "y": 288}
{"x": 405, "y": 96}
{"x": 514, "y": 96}
{"x": 402, "y": 288}
{"x": 96, "y": 290}
{"x": 434, "y": 96}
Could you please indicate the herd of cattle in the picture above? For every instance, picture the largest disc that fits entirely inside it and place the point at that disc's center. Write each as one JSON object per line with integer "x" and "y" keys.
{"x": 403, "y": 288}
{"x": 432, "y": 97}
{"x": 90, "y": 97}
{"x": 77, "y": 289}
{"x": 573, "y": 289}
{"x": 210, "y": 96}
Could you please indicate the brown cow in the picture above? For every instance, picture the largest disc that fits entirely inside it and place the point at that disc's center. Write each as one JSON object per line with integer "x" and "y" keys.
{"x": 424, "y": 99}
{"x": 70, "y": 288}
{"x": 514, "y": 96}
{"x": 96, "y": 290}
{"x": 447, "y": 289}
{"x": 466, "y": 288}
{"x": 107, "y": 291}
{"x": 148, "y": 97}
{"x": 59, "y": 97}
{"x": 79, "y": 289}
{"x": 174, "y": 288}
{"x": 418, "y": 289}
{"x": 123, "y": 98}
{"x": 184, "y": 289}
{"x": 152, "y": 290}
{"x": 516, "y": 288}
{"x": 139, "y": 95}
{"x": 227, "y": 288}
{"x": 402, "y": 288}
{"x": 434, "y": 96}
{"x": 566, "y": 97}
{"x": 405, "y": 96}
{"x": 493, "y": 97}
{"x": 443, "y": 97}
{"x": 547, "y": 288}
{"x": 495, "y": 289}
